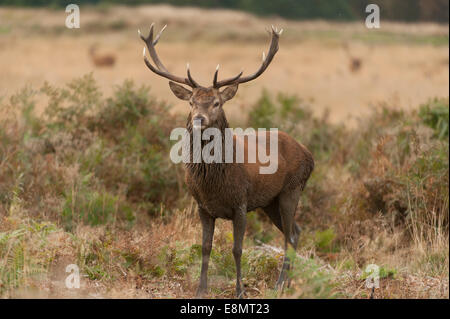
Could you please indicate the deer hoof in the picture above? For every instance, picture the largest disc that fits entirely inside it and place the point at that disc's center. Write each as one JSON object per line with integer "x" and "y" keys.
{"x": 201, "y": 292}
{"x": 241, "y": 294}
{"x": 280, "y": 282}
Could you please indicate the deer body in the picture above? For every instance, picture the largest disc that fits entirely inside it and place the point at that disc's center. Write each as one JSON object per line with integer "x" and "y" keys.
{"x": 105, "y": 60}
{"x": 230, "y": 190}
{"x": 221, "y": 188}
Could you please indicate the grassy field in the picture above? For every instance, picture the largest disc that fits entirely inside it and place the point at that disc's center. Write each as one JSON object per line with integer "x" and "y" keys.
{"x": 85, "y": 176}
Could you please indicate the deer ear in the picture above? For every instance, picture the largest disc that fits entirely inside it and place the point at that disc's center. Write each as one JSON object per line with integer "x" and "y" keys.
{"x": 229, "y": 92}
{"x": 179, "y": 91}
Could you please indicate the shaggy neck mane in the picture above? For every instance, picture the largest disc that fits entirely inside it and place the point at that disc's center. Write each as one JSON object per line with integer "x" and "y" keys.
{"x": 207, "y": 172}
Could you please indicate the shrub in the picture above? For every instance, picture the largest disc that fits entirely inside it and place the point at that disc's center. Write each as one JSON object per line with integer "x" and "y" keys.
{"x": 309, "y": 278}
{"x": 291, "y": 114}
{"x": 263, "y": 267}
{"x": 177, "y": 260}
{"x": 324, "y": 240}
{"x": 20, "y": 264}
{"x": 435, "y": 114}
{"x": 384, "y": 272}
{"x": 120, "y": 142}
{"x": 92, "y": 208}
{"x": 70, "y": 107}
{"x": 262, "y": 113}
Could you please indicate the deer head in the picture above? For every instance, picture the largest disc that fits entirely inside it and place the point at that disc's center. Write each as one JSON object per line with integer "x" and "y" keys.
{"x": 205, "y": 102}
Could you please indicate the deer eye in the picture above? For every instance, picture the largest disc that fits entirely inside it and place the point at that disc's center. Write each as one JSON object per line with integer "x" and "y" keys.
{"x": 191, "y": 104}
{"x": 216, "y": 104}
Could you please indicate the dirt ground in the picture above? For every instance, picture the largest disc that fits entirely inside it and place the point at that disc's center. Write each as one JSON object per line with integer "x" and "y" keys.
{"x": 399, "y": 62}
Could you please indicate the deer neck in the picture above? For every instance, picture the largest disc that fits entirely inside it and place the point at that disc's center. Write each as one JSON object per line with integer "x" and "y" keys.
{"x": 209, "y": 172}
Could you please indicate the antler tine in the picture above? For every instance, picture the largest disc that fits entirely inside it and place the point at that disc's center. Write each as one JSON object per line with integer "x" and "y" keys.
{"x": 215, "y": 76}
{"x": 266, "y": 59}
{"x": 159, "y": 35}
{"x": 194, "y": 84}
{"x": 275, "y": 34}
{"x": 227, "y": 81}
{"x": 152, "y": 50}
{"x": 160, "y": 69}
{"x": 150, "y": 45}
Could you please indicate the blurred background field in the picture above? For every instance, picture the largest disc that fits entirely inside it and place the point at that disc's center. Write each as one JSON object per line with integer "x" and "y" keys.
{"x": 85, "y": 175}
{"x": 403, "y": 62}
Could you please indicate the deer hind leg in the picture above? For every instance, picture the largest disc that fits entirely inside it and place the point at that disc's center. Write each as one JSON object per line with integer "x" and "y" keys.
{"x": 287, "y": 205}
{"x": 239, "y": 222}
{"x": 273, "y": 212}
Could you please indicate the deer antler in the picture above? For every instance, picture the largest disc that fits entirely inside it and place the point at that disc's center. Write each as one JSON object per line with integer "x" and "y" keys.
{"x": 265, "y": 63}
{"x": 160, "y": 69}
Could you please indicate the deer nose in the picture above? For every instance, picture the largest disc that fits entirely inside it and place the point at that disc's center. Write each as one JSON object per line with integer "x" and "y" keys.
{"x": 199, "y": 118}
{"x": 199, "y": 121}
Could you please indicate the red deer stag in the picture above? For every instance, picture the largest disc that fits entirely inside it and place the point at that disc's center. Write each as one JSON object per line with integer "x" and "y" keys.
{"x": 230, "y": 190}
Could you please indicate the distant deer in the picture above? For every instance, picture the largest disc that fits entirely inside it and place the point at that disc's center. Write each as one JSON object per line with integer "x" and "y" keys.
{"x": 104, "y": 60}
{"x": 230, "y": 190}
{"x": 355, "y": 62}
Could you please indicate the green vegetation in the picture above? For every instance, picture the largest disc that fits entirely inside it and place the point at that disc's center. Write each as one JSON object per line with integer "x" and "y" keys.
{"x": 90, "y": 182}
{"x": 16, "y": 246}
{"x": 310, "y": 279}
{"x": 324, "y": 240}
{"x": 383, "y": 272}
{"x": 436, "y": 115}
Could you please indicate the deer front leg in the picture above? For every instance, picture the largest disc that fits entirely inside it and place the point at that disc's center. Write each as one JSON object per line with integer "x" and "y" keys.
{"x": 208, "y": 232}
{"x": 239, "y": 222}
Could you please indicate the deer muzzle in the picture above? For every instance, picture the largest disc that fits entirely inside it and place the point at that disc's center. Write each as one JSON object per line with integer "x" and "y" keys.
{"x": 199, "y": 122}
